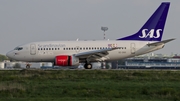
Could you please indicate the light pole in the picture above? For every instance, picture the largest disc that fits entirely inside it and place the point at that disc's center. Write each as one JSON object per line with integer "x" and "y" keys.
{"x": 104, "y": 29}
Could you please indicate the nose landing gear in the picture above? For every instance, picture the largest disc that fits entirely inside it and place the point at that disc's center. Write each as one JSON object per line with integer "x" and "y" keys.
{"x": 28, "y": 65}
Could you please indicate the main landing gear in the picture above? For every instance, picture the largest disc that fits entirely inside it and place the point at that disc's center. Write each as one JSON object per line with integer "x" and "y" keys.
{"x": 88, "y": 66}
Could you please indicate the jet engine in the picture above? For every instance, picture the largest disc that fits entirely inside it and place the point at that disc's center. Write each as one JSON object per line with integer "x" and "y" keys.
{"x": 66, "y": 60}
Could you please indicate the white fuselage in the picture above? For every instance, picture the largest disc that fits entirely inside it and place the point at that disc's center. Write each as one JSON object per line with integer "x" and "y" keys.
{"x": 47, "y": 51}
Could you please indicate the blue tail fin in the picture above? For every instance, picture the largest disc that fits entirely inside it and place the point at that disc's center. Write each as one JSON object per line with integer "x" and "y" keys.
{"x": 153, "y": 29}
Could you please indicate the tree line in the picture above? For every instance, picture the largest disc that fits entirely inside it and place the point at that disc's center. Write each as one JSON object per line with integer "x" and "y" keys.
{"x": 3, "y": 57}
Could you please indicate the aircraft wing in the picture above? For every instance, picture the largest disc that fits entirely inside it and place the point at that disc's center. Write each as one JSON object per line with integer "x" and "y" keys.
{"x": 160, "y": 43}
{"x": 96, "y": 54}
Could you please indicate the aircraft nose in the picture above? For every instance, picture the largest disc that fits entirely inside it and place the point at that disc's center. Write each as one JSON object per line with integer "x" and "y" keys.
{"x": 9, "y": 54}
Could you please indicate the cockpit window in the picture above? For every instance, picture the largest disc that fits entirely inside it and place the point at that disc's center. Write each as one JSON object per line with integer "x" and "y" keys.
{"x": 18, "y": 48}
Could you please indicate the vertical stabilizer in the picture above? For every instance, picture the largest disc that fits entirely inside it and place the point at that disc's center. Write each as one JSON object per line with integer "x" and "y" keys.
{"x": 153, "y": 29}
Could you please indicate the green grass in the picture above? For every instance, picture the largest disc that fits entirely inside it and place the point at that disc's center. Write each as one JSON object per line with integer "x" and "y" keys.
{"x": 89, "y": 85}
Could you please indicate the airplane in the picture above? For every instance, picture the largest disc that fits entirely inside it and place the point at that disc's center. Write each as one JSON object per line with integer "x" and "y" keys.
{"x": 71, "y": 53}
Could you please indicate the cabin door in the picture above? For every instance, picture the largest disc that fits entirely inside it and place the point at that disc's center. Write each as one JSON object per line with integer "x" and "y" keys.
{"x": 133, "y": 48}
{"x": 32, "y": 49}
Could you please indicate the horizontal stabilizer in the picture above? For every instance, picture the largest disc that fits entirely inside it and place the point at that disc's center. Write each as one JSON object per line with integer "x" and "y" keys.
{"x": 161, "y": 42}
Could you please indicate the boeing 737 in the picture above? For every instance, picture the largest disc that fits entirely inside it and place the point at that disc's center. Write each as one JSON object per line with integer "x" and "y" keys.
{"x": 71, "y": 53}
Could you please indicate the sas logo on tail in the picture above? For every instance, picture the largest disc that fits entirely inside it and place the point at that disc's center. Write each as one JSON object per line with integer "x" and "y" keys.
{"x": 151, "y": 34}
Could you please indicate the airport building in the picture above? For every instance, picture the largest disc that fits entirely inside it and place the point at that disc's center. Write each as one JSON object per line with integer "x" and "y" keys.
{"x": 153, "y": 62}
{"x": 11, "y": 65}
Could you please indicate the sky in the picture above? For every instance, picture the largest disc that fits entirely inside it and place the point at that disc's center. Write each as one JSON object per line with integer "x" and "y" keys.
{"x": 24, "y": 21}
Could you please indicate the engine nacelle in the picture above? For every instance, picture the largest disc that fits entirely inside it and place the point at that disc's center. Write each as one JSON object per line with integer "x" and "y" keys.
{"x": 66, "y": 60}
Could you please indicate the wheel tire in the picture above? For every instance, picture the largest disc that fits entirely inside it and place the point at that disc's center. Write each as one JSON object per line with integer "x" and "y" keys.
{"x": 85, "y": 66}
{"x": 88, "y": 66}
{"x": 27, "y": 66}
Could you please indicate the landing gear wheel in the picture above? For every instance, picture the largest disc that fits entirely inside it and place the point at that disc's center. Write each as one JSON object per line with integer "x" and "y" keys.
{"x": 88, "y": 66}
{"x": 28, "y": 66}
